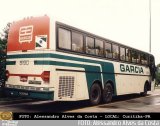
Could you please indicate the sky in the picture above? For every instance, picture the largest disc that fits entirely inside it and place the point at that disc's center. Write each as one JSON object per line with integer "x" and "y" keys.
{"x": 123, "y": 21}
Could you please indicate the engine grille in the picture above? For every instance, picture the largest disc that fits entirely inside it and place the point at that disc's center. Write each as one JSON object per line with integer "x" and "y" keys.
{"x": 66, "y": 86}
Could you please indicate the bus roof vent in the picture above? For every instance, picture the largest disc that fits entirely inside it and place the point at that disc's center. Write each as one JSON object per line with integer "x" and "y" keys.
{"x": 66, "y": 86}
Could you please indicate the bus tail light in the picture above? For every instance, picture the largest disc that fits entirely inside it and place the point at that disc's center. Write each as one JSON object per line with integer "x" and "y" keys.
{"x": 7, "y": 74}
{"x": 46, "y": 76}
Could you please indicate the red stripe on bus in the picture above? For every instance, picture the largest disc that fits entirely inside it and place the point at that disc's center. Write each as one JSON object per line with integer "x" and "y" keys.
{"x": 26, "y": 75}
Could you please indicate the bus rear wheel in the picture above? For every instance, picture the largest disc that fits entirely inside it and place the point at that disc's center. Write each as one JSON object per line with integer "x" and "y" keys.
{"x": 107, "y": 93}
{"x": 95, "y": 94}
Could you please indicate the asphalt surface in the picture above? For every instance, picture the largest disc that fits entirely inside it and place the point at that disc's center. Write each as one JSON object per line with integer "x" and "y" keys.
{"x": 124, "y": 103}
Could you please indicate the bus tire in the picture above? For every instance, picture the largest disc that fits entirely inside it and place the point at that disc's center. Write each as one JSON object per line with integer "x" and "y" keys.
{"x": 95, "y": 94}
{"x": 107, "y": 93}
{"x": 144, "y": 93}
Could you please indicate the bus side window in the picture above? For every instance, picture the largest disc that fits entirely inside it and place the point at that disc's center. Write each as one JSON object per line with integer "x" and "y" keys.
{"x": 108, "y": 50}
{"x": 77, "y": 42}
{"x": 135, "y": 57}
{"x": 144, "y": 59}
{"x": 122, "y": 53}
{"x": 90, "y": 45}
{"x": 151, "y": 60}
{"x": 128, "y": 55}
{"x": 115, "y": 51}
{"x": 99, "y": 47}
{"x": 64, "y": 39}
{"x": 139, "y": 58}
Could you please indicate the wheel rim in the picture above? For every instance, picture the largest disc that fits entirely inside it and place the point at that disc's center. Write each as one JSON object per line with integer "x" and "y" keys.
{"x": 95, "y": 94}
{"x": 108, "y": 93}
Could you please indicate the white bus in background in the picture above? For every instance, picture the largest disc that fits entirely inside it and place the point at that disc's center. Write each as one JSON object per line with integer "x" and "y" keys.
{"x": 50, "y": 60}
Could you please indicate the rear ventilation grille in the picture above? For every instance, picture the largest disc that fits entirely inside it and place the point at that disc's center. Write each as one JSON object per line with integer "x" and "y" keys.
{"x": 66, "y": 86}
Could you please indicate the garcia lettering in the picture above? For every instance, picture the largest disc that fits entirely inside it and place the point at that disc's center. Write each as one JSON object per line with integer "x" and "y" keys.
{"x": 131, "y": 68}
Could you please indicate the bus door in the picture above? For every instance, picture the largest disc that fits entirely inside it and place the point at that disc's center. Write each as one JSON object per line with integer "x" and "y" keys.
{"x": 152, "y": 67}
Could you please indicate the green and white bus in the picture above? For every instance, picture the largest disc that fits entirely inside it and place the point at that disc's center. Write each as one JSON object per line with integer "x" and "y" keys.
{"x": 50, "y": 60}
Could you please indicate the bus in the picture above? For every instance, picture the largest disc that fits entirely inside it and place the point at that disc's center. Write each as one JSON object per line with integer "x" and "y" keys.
{"x": 50, "y": 60}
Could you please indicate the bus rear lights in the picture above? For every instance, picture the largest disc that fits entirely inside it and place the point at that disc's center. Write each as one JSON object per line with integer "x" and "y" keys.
{"x": 7, "y": 74}
{"x": 46, "y": 76}
{"x": 23, "y": 78}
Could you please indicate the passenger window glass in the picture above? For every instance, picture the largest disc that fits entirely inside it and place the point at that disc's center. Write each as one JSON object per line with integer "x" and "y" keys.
{"x": 144, "y": 59}
{"x": 152, "y": 60}
{"x": 108, "y": 50}
{"x": 122, "y": 53}
{"x": 138, "y": 60}
{"x": 115, "y": 51}
{"x": 128, "y": 55}
{"x": 135, "y": 57}
{"x": 99, "y": 47}
{"x": 77, "y": 42}
{"x": 90, "y": 45}
{"x": 64, "y": 37}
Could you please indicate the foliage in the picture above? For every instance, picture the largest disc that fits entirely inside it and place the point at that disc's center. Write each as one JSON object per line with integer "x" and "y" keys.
{"x": 4, "y": 37}
{"x": 158, "y": 75}
{"x": 3, "y": 45}
{"x": 158, "y": 65}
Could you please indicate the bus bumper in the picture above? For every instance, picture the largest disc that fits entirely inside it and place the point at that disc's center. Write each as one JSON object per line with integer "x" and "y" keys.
{"x": 43, "y": 95}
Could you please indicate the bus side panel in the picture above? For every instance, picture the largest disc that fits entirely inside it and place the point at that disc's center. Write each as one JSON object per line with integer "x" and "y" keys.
{"x": 128, "y": 81}
{"x": 84, "y": 75}
{"x": 108, "y": 74}
{"x": 70, "y": 86}
{"x": 93, "y": 73}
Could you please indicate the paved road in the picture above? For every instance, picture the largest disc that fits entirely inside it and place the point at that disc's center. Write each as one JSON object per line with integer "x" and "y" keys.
{"x": 150, "y": 103}
{"x": 125, "y": 103}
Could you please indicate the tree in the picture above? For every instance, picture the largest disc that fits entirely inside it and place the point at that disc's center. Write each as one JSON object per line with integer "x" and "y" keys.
{"x": 4, "y": 37}
{"x": 158, "y": 65}
{"x": 158, "y": 75}
{"x": 3, "y": 45}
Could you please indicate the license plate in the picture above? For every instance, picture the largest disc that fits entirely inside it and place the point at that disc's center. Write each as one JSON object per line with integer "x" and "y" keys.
{"x": 23, "y": 93}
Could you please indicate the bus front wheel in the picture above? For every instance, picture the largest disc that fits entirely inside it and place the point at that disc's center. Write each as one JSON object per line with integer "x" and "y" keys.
{"x": 144, "y": 93}
{"x": 95, "y": 94}
{"x": 107, "y": 93}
